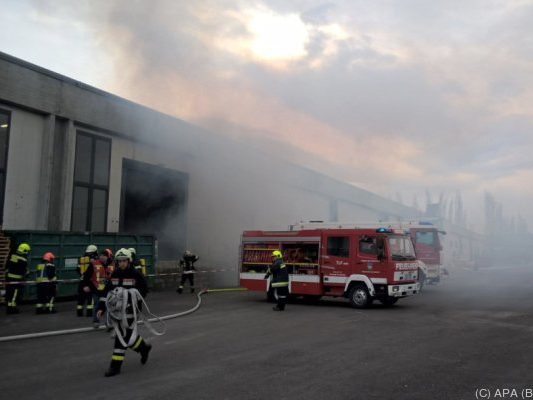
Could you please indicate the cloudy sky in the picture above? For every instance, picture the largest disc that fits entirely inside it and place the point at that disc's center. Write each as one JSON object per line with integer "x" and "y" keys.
{"x": 393, "y": 96}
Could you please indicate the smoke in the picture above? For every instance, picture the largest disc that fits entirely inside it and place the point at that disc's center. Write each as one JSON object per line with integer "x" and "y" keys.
{"x": 392, "y": 97}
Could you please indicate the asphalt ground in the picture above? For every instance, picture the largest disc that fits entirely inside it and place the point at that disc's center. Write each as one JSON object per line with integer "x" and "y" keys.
{"x": 473, "y": 331}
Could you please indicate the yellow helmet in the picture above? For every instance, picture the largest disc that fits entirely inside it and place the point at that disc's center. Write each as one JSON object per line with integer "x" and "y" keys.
{"x": 24, "y": 248}
{"x": 277, "y": 253}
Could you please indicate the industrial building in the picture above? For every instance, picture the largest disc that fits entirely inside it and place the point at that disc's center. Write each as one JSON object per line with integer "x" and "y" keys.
{"x": 75, "y": 158}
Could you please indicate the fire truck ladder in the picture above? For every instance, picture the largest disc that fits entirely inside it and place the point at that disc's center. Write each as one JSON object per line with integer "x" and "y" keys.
{"x": 4, "y": 253}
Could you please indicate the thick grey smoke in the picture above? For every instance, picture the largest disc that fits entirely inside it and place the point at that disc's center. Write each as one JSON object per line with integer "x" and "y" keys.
{"x": 394, "y": 97}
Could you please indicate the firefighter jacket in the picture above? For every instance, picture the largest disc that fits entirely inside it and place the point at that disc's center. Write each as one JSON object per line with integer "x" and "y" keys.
{"x": 280, "y": 274}
{"x": 127, "y": 278}
{"x": 16, "y": 267}
{"x": 46, "y": 273}
{"x": 101, "y": 275}
{"x": 92, "y": 274}
{"x": 109, "y": 267}
{"x": 187, "y": 263}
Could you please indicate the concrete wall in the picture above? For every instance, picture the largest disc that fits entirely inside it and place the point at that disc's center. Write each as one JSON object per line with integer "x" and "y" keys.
{"x": 22, "y": 203}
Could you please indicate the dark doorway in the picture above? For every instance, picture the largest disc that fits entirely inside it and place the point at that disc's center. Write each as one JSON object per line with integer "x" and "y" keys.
{"x": 154, "y": 201}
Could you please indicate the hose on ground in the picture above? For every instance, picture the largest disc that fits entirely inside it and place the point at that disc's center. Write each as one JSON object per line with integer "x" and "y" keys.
{"x": 101, "y": 327}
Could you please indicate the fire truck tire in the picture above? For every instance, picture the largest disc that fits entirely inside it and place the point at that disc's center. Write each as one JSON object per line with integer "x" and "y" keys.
{"x": 359, "y": 296}
{"x": 389, "y": 301}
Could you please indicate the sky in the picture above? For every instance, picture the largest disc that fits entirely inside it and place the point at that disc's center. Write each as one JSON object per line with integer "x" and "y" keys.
{"x": 398, "y": 97}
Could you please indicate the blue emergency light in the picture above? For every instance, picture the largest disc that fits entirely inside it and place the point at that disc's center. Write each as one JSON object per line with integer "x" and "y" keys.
{"x": 384, "y": 230}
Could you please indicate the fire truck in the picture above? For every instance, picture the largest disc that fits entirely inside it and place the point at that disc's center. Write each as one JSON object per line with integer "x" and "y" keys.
{"x": 425, "y": 237}
{"x": 361, "y": 264}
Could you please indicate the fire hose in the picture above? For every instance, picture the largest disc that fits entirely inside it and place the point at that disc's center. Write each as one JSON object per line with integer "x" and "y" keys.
{"x": 103, "y": 327}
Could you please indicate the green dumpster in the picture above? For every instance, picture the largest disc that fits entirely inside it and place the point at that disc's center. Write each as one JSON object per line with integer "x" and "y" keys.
{"x": 69, "y": 246}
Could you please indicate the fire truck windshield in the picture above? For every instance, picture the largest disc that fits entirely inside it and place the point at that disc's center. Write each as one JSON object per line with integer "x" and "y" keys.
{"x": 426, "y": 237}
{"x": 401, "y": 248}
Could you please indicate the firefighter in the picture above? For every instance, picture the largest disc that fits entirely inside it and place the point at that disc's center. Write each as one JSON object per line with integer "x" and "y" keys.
{"x": 138, "y": 263}
{"x": 188, "y": 270}
{"x": 127, "y": 277}
{"x": 280, "y": 280}
{"x": 88, "y": 281}
{"x": 101, "y": 271}
{"x": 16, "y": 270}
{"x": 46, "y": 284}
{"x": 106, "y": 258}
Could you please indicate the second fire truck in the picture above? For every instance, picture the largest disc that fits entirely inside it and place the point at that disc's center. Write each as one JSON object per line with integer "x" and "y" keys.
{"x": 361, "y": 264}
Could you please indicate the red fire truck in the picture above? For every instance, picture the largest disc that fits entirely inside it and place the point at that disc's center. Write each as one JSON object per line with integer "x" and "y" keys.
{"x": 361, "y": 264}
{"x": 425, "y": 237}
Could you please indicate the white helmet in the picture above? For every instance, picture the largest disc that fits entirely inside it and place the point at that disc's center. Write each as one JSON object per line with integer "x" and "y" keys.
{"x": 123, "y": 254}
{"x": 133, "y": 252}
{"x": 91, "y": 249}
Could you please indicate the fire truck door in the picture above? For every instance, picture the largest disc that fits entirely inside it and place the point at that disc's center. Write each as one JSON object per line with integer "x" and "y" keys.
{"x": 369, "y": 260}
{"x": 336, "y": 258}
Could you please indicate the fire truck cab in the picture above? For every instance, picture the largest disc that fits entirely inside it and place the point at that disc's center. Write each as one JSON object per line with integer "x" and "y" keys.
{"x": 361, "y": 264}
{"x": 428, "y": 248}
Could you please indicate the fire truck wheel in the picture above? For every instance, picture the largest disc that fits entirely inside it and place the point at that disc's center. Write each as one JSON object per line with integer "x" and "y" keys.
{"x": 359, "y": 296}
{"x": 389, "y": 301}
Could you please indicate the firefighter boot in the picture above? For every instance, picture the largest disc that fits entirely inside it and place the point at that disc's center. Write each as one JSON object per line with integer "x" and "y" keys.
{"x": 277, "y": 308}
{"x": 144, "y": 349}
{"x": 79, "y": 311}
{"x": 179, "y": 289}
{"x": 192, "y": 290}
{"x": 114, "y": 368}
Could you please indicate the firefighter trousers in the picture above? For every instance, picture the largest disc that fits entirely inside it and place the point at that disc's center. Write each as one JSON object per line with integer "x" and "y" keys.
{"x": 85, "y": 300}
{"x": 14, "y": 293}
{"x": 281, "y": 294}
{"x": 119, "y": 351}
{"x": 46, "y": 293}
{"x": 184, "y": 278}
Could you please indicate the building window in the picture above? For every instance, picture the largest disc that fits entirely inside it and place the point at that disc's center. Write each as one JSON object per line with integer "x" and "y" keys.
{"x": 339, "y": 246}
{"x": 5, "y": 123}
{"x": 91, "y": 183}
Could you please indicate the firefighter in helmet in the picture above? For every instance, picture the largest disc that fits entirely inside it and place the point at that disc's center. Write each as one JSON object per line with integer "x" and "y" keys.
{"x": 188, "y": 270}
{"x": 16, "y": 271}
{"x": 89, "y": 278}
{"x": 101, "y": 274}
{"x": 127, "y": 277}
{"x": 280, "y": 280}
{"x": 138, "y": 263}
{"x": 46, "y": 284}
{"x": 106, "y": 258}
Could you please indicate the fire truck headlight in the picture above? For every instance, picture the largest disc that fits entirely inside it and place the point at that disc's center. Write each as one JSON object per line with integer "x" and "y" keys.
{"x": 395, "y": 288}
